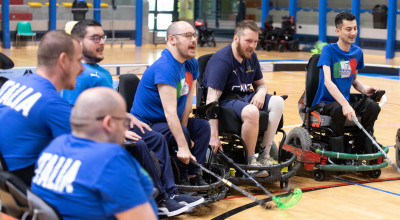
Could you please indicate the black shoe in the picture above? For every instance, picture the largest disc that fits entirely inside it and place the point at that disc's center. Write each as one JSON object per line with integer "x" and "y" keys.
{"x": 184, "y": 182}
{"x": 197, "y": 181}
{"x": 170, "y": 207}
{"x": 190, "y": 201}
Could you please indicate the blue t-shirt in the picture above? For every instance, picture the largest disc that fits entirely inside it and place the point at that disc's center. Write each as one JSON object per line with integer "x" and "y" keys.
{"x": 343, "y": 67}
{"x": 93, "y": 76}
{"x": 225, "y": 73}
{"x": 147, "y": 105}
{"x": 84, "y": 179}
{"x": 32, "y": 113}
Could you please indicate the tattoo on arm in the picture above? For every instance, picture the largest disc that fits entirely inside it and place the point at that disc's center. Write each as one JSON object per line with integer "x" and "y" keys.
{"x": 213, "y": 94}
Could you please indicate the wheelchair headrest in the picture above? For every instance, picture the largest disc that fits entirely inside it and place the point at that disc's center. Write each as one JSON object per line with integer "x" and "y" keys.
{"x": 203, "y": 60}
{"x": 127, "y": 86}
{"x": 312, "y": 79}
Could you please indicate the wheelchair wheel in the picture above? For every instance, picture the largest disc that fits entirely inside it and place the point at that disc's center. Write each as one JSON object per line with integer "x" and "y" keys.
{"x": 318, "y": 175}
{"x": 281, "y": 47}
{"x": 397, "y": 155}
{"x": 299, "y": 137}
{"x": 375, "y": 173}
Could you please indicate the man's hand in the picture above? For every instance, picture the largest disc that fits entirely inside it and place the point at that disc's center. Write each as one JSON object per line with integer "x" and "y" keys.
{"x": 136, "y": 122}
{"x": 184, "y": 155}
{"x": 258, "y": 99}
{"x": 368, "y": 90}
{"x": 349, "y": 112}
{"x": 132, "y": 135}
{"x": 215, "y": 143}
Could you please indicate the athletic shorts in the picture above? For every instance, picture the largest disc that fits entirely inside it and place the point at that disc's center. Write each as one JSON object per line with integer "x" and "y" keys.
{"x": 238, "y": 105}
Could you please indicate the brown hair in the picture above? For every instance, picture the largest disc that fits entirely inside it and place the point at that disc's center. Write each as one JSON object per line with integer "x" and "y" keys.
{"x": 242, "y": 25}
{"x": 52, "y": 45}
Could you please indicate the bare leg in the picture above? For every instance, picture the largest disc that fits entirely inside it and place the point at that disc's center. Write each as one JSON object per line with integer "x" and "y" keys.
{"x": 275, "y": 109}
{"x": 250, "y": 118}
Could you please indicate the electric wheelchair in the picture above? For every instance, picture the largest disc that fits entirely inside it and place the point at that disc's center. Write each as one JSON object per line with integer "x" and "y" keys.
{"x": 229, "y": 126}
{"x": 215, "y": 189}
{"x": 314, "y": 144}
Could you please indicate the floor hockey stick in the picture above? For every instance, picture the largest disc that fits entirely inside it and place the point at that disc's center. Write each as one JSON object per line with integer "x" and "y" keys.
{"x": 280, "y": 201}
{"x": 292, "y": 198}
{"x": 375, "y": 143}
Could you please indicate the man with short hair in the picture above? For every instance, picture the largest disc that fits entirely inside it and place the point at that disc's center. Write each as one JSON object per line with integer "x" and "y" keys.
{"x": 31, "y": 108}
{"x": 164, "y": 100}
{"x": 229, "y": 75}
{"x": 87, "y": 174}
{"x": 339, "y": 64}
{"x": 92, "y": 39}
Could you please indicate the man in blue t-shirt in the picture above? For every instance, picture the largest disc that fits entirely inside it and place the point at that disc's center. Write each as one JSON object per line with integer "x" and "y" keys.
{"x": 229, "y": 75}
{"x": 339, "y": 64}
{"x": 164, "y": 100}
{"x": 87, "y": 174}
{"x": 92, "y": 39}
{"x": 31, "y": 110}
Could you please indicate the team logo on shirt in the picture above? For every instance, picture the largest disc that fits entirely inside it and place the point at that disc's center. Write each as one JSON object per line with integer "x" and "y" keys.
{"x": 95, "y": 74}
{"x": 249, "y": 70}
{"x": 241, "y": 88}
{"x": 344, "y": 69}
{"x": 185, "y": 85}
{"x": 18, "y": 97}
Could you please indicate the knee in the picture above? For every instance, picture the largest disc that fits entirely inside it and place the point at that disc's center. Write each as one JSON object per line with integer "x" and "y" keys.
{"x": 277, "y": 103}
{"x": 372, "y": 106}
{"x": 204, "y": 126}
{"x": 250, "y": 114}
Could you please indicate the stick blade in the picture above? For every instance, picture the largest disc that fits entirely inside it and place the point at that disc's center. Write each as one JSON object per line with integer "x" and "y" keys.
{"x": 284, "y": 202}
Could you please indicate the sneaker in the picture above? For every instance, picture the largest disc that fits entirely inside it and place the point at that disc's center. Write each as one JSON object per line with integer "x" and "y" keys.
{"x": 189, "y": 201}
{"x": 258, "y": 173}
{"x": 266, "y": 161}
{"x": 254, "y": 162}
{"x": 197, "y": 181}
{"x": 171, "y": 207}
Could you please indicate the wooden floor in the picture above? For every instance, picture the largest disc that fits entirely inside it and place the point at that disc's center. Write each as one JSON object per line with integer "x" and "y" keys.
{"x": 339, "y": 196}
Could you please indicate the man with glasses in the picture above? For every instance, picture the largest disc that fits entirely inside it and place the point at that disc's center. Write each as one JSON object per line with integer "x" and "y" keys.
{"x": 92, "y": 39}
{"x": 87, "y": 174}
{"x": 31, "y": 110}
{"x": 164, "y": 101}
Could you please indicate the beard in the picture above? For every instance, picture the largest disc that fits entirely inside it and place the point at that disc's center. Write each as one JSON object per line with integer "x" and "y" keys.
{"x": 241, "y": 52}
{"x": 89, "y": 56}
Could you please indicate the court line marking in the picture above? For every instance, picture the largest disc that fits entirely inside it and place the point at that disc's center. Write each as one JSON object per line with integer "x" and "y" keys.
{"x": 370, "y": 187}
{"x": 305, "y": 189}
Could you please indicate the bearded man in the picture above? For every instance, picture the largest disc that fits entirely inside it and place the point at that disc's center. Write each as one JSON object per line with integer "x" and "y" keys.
{"x": 228, "y": 77}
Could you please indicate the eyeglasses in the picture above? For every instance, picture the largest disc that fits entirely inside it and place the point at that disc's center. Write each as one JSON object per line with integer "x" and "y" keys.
{"x": 97, "y": 38}
{"x": 127, "y": 121}
{"x": 188, "y": 35}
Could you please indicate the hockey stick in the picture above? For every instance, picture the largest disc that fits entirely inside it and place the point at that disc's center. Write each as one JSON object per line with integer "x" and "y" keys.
{"x": 375, "y": 144}
{"x": 282, "y": 202}
{"x": 292, "y": 198}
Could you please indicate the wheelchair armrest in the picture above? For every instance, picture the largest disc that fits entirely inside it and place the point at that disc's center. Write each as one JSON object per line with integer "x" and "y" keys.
{"x": 207, "y": 109}
{"x": 376, "y": 96}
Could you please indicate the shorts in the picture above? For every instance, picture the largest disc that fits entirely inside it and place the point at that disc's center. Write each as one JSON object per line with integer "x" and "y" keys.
{"x": 238, "y": 105}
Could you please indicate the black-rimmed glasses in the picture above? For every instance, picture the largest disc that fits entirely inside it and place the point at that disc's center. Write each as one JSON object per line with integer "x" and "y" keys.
{"x": 188, "y": 35}
{"x": 127, "y": 121}
{"x": 97, "y": 38}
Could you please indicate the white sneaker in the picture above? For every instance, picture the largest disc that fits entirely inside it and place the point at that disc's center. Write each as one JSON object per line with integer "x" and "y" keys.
{"x": 266, "y": 161}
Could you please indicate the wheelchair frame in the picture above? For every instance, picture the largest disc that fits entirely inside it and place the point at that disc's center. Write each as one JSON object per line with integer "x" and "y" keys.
{"x": 311, "y": 140}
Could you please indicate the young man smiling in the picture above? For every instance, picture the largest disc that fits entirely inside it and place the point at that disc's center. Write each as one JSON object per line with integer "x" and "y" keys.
{"x": 339, "y": 64}
{"x": 92, "y": 39}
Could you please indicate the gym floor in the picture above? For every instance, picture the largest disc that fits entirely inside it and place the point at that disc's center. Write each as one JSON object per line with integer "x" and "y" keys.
{"x": 350, "y": 195}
